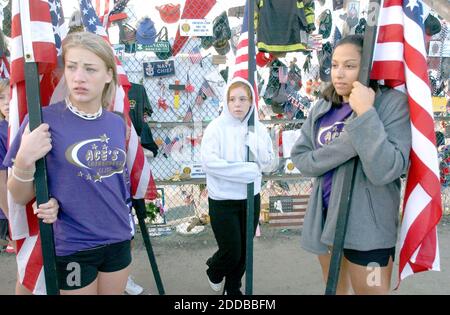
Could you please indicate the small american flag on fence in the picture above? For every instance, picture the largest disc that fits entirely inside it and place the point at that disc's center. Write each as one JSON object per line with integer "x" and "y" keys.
{"x": 287, "y": 211}
{"x": 194, "y": 55}
{"x": 189, "y": 115}
{"x": 204, "y": 92}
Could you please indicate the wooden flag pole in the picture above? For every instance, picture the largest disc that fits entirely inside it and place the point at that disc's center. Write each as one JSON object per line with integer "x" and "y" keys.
{"x": 250, "y": 158}
{"x": 35, "y": 119}
{"x": 370, "y": 36}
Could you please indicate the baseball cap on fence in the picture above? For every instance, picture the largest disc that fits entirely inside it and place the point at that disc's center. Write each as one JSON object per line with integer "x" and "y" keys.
{"x": 129, "y": 34}
{"x": 146, "y": 32}
{"x": 325, "y": 62}
{"x": 221, "y": 34}
{"x": 170, "y": 13}
{"x": 432, "y": 25}
{"x": 325, "y": 23}
{"x": 222, "y": 46}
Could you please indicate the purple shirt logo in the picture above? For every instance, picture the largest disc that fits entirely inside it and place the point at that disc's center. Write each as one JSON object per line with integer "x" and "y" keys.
{"x": 96, "y": 158}
{"x": 328, "y": 134}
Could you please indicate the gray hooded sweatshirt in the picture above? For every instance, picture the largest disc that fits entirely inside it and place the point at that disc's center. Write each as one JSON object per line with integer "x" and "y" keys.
{"x": 381, "y": 138}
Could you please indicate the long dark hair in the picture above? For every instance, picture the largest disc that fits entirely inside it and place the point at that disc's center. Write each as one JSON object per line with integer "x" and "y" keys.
{"x": 329, "y": 93}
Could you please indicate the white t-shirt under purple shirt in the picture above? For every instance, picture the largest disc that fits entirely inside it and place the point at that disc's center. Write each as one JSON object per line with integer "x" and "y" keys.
{"x": 87, "y": 175}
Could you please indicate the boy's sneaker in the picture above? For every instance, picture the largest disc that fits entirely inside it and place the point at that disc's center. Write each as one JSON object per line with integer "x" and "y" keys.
{"x": 132, "y": 288}
{"x": 215, "y": 286}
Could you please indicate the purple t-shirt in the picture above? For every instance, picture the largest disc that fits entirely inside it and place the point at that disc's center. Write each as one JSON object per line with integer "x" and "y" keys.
{"x": 331, "y": 126}
{"x": 87, "y": 175}
{"x": 3, "y": 150}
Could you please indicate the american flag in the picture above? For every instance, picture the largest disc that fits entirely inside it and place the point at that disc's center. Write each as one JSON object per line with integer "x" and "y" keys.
{"x": 168, "y": 145}
{"x": 103, "y": 7}
{"x": 241, "y": 62}
{"x": 43, "y": 31}
{"x": 204, "y": 92}
{"x": 189, "y": 115}
{"x": 287, "y": 211}
{"x": 110, "y": 10}
{"x": 4, "y": 67}
{"x": 194, "y": 55}
{"x": 400, "y": 60}
{"x": 119, "y": 6}
{"x": 142, "y": 183}
{"x": 207, "y": 89}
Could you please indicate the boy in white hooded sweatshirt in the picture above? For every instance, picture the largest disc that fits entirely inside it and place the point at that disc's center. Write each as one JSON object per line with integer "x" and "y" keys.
{"x": 224, "y": 159}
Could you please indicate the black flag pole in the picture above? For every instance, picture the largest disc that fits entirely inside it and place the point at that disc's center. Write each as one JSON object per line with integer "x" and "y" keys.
{"x": 370, "y": 36}
{"x": 139, "y": 206}
{"x": 250, "y": 158}
{"x": 35, "y": 119}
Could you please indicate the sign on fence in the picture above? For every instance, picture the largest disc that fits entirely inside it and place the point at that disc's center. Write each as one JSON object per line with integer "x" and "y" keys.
{"x": 161, "y": 46}
{"x": 159, "y": 68}
{"x": 196, "y": 27}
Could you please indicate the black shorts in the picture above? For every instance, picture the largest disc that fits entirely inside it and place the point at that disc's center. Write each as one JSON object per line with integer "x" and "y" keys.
{"x": 4, "y": 229}
{"x": 366, "y": 258}
{"x": 78, "y": 270}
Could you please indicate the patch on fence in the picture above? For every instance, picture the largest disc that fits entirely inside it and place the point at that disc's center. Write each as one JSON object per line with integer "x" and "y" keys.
{"x": 287, "y": 211}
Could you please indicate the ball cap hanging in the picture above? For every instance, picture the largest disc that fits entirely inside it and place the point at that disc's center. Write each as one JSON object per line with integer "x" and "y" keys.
{"x": 432, "y": 25}
{"x": 146, "y": 32}
{"x": 325, "y": 23}
{"x": 170, "y": 13}
{"x": 221, "y": 34}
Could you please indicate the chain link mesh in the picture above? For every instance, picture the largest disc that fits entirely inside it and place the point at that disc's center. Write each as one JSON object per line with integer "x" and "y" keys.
{"x": 180, "y": 114}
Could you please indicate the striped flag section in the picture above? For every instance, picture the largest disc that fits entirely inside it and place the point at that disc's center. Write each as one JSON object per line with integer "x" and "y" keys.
{"x": 110, "y": 10}
{"x": 42, "y": 31}
{"x": 189, "y": 115}
{"x": 103, "y": 7}
{"x": 400, "y": 60}
{"x": 194, "y": 55}
{"x": 141, "y": 178}
{"x": 241, "y": 63}
{"x": 287, "y": 211}
{"x": 204, "y": 92}
{"x": 4, "y": 67}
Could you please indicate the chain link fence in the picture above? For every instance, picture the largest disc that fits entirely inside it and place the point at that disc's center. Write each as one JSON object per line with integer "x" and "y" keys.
{"x": 185, "y": 89}
{"x": 185, "y": 80}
